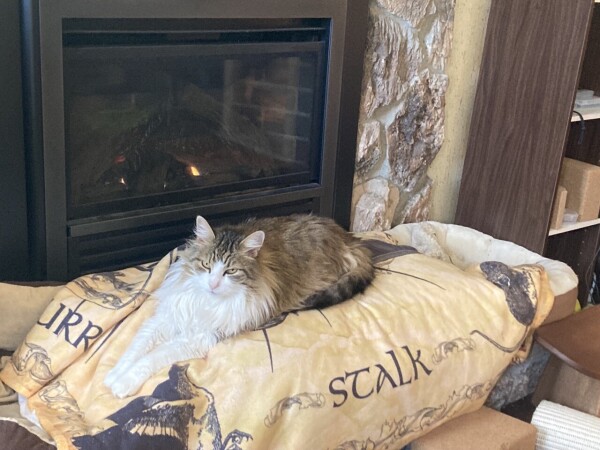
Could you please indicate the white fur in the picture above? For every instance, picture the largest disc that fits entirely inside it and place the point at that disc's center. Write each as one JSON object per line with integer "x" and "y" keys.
{"x": 195, "y": 310}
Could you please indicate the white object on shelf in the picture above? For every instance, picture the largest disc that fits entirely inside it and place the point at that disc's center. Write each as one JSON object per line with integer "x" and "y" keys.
{"x": 570, "y": 216}
{"x": 583, "y": 102}
{"x": 574, "y": 226}
{"x": 583, "y": 94}
{"x": 588, "y": 113}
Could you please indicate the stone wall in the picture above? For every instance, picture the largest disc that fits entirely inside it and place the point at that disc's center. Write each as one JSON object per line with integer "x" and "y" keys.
{"x": 401, "y": 126}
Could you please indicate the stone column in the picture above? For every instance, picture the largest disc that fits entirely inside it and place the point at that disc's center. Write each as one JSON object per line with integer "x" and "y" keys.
{"x": 401, "y": 127}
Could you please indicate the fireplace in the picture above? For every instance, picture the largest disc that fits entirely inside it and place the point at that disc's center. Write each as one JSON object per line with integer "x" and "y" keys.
{"x": 143, "y": 114}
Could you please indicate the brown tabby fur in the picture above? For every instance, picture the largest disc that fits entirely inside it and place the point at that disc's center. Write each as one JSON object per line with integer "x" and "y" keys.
{"x": 305, "y": 260}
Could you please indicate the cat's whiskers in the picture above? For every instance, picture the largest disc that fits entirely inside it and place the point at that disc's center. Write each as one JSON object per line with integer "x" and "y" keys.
{"x": 185, "y": 295}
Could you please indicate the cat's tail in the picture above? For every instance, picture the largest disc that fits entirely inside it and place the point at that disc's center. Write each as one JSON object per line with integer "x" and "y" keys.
{"x": 359, "y": 275}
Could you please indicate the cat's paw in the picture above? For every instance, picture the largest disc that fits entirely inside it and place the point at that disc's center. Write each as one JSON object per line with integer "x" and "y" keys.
{"x": 126, "y": 385}
{"x": 115, "y": 374}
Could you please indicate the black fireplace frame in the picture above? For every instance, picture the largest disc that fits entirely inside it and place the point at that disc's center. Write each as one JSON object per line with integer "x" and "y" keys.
{"x": 52, "y": 236}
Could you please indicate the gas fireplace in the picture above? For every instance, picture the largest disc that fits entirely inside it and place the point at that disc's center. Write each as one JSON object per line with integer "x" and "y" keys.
{"x": 143, "y": 114}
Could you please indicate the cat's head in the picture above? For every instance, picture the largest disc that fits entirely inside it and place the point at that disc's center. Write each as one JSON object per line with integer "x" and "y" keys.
{"x": 226, "y": 262}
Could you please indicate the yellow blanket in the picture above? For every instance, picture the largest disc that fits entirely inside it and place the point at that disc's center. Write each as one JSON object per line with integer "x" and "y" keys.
{"x": 424, "y": 343}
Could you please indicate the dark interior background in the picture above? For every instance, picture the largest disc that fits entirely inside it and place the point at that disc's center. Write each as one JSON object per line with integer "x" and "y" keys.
{"x": 13, "y": 201}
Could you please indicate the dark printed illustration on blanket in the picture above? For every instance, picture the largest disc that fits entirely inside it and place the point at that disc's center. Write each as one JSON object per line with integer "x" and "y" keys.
{"x": 34, "y": 360}
{"x": 517, "y": 287}
{"x": 179, "y": 415}
{"x": 304, "y": 400}
{"x": 110, "y": 289}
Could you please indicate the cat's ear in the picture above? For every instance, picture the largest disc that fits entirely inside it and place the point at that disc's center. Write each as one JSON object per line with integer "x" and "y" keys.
{"x": 253, "y": 243}
{"x": 203, "y": 231}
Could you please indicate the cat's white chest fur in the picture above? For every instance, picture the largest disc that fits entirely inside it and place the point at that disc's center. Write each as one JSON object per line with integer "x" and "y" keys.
{"x": 191, "y": 316}
{"x": 190, "y": 309}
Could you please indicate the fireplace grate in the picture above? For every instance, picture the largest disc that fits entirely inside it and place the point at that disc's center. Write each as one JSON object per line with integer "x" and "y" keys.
{"x": 106, "y": 251}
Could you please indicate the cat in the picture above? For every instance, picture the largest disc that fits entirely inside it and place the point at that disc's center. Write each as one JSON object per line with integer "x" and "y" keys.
{"x": 237, "y": 278}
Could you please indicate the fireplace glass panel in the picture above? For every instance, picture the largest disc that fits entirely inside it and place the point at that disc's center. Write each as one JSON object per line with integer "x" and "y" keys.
{"x": 159, "y": 121}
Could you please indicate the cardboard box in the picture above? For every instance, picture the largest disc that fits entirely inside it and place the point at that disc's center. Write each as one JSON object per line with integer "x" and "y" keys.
{"x": 558, "y": 208}
{"x": 483, "y": 429}
{"x": 582, "y": 182}
{"x": 561, "y": 383}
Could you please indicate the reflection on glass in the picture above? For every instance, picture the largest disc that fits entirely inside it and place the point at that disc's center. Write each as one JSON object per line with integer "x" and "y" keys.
{"x": 149, "y": 125}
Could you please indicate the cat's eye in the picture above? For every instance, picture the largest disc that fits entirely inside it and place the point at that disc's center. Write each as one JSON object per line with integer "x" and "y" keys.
{"x": 230, "y": 271}
{"x": 205, "y": 266}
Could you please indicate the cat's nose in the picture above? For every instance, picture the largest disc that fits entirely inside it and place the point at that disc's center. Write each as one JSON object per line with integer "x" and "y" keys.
{"x": 213, "y": 283}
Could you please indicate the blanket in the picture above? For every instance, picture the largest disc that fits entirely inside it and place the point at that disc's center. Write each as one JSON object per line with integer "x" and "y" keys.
{"x": 424, "y": 343}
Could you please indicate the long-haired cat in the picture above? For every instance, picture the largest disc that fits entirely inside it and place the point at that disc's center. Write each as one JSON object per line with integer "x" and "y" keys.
{"x": 237, "y": 278}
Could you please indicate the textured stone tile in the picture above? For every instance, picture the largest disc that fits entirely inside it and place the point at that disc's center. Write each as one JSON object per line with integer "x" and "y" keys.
{"x": 416, "y": 134}
{"x": 377, "y": 200}
{"x": 369, "y": 149}
{"x": 416, "y": 208}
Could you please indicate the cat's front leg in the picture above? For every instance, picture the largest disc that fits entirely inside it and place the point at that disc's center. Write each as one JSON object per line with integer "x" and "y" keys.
{"x": 150, "y": 334}
{"x": 164, "y": 355}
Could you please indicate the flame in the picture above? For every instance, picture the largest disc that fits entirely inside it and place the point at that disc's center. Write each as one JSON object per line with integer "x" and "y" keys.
{"x": 193, "y": 171}
{"x": 122, "y": 181}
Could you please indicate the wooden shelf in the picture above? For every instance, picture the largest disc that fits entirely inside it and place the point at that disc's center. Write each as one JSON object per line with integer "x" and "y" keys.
{"x": 574, "y": 226}
{"x": 507, "y": 155}
{"x": 588, "y": 112}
